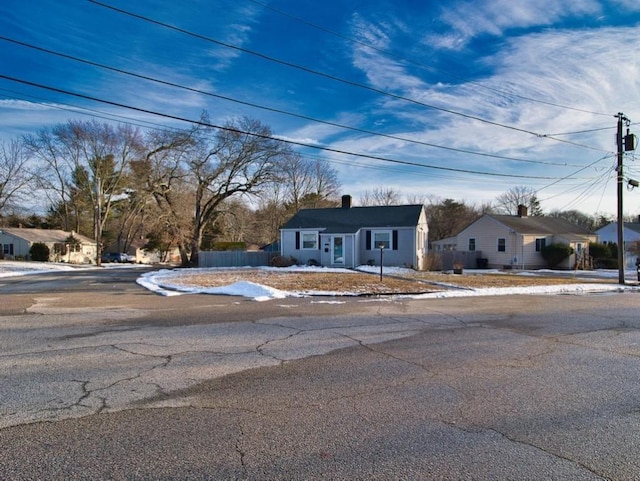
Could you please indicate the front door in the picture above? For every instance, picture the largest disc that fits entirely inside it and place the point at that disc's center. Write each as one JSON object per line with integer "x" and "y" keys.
{"x": 337, "y": 257}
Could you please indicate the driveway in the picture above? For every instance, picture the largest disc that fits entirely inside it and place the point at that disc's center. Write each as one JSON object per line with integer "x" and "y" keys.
{"x": 123, "y": 384}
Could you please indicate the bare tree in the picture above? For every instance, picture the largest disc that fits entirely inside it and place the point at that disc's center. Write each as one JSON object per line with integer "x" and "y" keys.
{"x": 242, "y": 158}
{"x": 508, "y": 202}
{"x": 198, "y": 173}
{"x": 162, "y": 175}
{"x": 325, "y": 186}
{"x": 85, "y": 163}
{"x": 575, "y": 217}
{"x": 15, "y": 175}
{"x": 380, "y": 196}
{"x": 235, "y": 221}
{"x": 54, "y": 177}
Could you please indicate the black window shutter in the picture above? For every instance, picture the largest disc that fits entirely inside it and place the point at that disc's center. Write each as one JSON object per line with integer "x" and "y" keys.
{"x": 368, "y": 240}
{"x": 297, "y": 240}
{"x": 394, "y": 243}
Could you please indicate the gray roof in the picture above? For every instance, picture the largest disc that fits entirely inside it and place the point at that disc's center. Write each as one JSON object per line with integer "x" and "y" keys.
{"x": 349, "y": 220}
{"x": 44, "y": 235}
{"x": 541, "y": 225}
{"x": 634, "y": 226}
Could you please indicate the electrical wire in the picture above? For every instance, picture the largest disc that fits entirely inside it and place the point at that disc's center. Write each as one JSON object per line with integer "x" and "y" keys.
{"x": 583, "y": 131}
{"x": 155, "y": 126}
{"x": 266, "y": 137}
{"x": 271, "y": 109}
{"x": 394, "y": 56}
{"x": 76, "y": 109}
{"x": 332, "y": 77}
{"x": 570, "y": 176}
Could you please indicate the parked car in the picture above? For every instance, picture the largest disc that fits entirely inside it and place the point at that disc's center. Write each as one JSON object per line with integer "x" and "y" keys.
{"x": 121, "y": 257}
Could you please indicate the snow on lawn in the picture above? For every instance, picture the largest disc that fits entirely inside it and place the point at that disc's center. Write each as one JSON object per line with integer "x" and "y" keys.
{"x": 15, "y": 268}
{"x": 164, "y": 282}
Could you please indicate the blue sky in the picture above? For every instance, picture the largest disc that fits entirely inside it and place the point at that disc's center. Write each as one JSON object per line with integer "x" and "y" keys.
{"x": 458, "y": 99}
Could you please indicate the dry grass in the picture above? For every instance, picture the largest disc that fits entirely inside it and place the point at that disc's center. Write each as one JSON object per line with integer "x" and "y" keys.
{"x": 350, "y": 282}
{"x": 364, "y": 283}
{"x": 478, "y": 281}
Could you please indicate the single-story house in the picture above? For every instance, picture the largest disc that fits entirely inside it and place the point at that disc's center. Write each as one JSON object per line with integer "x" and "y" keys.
{"x": 444, "y": 245}
{"x": 515, "y": 241}
{"x": 16, "y": 243}
{"x": 349, "y": 236}
{"x": 141, "y": 255}
{"x": 631, "y": 237}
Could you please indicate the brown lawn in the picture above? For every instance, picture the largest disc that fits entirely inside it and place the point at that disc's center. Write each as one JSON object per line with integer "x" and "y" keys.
{"x": 364, "y": 283}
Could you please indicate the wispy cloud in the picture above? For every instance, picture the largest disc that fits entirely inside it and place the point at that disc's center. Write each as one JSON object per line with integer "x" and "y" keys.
{"x": 469, "y": 19}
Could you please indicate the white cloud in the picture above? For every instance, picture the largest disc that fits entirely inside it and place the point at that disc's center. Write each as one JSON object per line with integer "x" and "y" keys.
{"x": 595, "y": 70}
{"x": 469, "y": 19}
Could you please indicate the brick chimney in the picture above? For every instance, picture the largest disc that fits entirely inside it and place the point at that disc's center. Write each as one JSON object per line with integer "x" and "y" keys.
{"x": 346, "y": 202}
{"x": 522, "y": 210}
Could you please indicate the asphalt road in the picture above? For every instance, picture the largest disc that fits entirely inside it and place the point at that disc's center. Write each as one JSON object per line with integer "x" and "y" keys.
{"x": 101, "y": 379}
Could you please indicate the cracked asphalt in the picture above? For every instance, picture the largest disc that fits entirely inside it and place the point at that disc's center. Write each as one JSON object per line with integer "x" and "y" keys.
{"x": 100, "y": 379}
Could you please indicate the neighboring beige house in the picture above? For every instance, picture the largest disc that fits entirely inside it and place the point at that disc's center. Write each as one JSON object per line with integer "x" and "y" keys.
{"x": 17, "y": 241}
{"x": 444, "y": 245}
{"x": 141, "y": 255}
{"x": 515, "y": 241}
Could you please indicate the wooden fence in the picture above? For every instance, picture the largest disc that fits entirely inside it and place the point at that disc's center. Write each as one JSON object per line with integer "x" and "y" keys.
{"x": 234, "y": 258}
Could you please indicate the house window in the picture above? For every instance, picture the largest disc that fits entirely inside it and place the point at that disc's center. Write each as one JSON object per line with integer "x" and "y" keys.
{"x": 382, "y": 239}
{"x": 502, "y": 244}
{"x": 472, "y": 244}
{"x": 309, "y": 240}
{"x": 541, "y": 242}
{"x": 385, "y": 238}
{"x": 8, "y": 249}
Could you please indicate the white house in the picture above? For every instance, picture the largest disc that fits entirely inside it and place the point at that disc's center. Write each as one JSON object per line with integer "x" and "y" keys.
{"x": 349, "y": 236}
{"x": 63, "y": 246}
{"x": 631, "y": 235}
{"x": 516, "y": 241}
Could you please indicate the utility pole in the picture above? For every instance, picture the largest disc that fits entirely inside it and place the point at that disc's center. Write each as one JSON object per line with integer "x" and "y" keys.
{"x": 625, "y": 143}
{"x": 619, "y": 139}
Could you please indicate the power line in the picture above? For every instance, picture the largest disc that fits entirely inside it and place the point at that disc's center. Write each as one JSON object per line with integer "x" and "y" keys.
{"x": 570, "y": 176}
{"x": 57, "y": 105}
{"x": 271, "y": 109}
{"x": 413, "y": 62}
{"x": 332, "y": 77}
{"x": 156, "y": 126}
{"x": 581, "y": 131}
{"x": 267, "y": 137}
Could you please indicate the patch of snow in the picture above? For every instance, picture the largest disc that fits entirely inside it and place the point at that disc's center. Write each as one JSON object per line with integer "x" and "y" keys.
{"x": 15, "y": 268}
{"x": 164, "y": 282}
{"x": 160, "y": 282}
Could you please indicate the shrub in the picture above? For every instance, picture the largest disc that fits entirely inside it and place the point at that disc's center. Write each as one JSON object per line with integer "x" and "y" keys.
{"x": 229, "y": 246}
{"x": 39, "y": 252}
{"x": 554, "y": 254}
{"x": 432, "y": 262}
{"x": 609, "y": 263}
{"x": 280, "y": 261}
{"x": 599, "y": 250}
